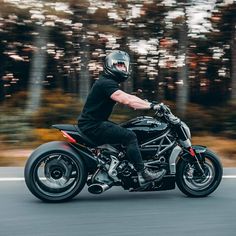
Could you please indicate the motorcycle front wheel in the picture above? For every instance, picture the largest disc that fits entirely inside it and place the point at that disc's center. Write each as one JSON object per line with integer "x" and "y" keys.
{"x": 193, "y": 184}
{"x": 55, "y": 176}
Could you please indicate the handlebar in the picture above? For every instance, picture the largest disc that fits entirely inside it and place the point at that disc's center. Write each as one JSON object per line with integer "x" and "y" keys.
{"x": 164, "y": 111}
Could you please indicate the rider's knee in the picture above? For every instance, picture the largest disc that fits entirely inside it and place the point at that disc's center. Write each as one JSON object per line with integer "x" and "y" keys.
{"x": 130, "y": 137}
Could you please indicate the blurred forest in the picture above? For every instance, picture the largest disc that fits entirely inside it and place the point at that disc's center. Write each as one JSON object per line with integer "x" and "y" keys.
{"x": 51, "y": 51}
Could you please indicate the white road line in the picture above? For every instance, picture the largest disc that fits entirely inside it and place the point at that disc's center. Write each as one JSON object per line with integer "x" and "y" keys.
{"x": 5, "y": 179}
{"x": 11, "y": 179}
{"x": 229, "y": 176}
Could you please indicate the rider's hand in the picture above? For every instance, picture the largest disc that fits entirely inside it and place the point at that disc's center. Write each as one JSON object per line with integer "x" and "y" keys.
{"x": 159, "y": 107}
{"x": 155, "y": 107}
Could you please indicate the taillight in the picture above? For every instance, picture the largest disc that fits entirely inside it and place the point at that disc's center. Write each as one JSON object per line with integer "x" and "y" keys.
{"x": 71, "y": 140}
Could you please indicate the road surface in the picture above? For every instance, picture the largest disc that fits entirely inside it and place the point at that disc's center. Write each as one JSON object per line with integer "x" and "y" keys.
{"x": 117, "y": 212}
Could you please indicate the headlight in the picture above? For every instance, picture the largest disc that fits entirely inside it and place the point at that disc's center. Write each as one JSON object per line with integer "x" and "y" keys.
{"x": 186, "y": 130}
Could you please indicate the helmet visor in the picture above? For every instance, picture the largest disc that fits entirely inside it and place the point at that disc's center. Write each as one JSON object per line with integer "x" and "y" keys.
{"x": 120, "y": 65}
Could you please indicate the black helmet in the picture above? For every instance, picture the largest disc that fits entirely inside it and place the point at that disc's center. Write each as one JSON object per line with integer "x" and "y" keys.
{"x": 117, "y": 65}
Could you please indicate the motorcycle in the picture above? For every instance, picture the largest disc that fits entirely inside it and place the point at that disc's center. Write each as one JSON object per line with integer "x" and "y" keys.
{"x": 57, "y": 171}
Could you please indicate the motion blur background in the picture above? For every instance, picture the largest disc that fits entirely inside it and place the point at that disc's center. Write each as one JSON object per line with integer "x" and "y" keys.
{"x": 51, "y": 51}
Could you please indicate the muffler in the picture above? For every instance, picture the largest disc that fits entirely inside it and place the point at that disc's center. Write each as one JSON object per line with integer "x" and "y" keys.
{"x": 98, "y": 188}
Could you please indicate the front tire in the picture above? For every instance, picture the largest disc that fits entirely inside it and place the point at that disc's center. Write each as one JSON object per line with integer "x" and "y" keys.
{"x": 55, "y": 176}
{"x": 195, "y": 185}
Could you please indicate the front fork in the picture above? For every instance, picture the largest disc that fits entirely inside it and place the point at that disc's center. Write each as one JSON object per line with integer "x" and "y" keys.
{"x": 197, "y": 158}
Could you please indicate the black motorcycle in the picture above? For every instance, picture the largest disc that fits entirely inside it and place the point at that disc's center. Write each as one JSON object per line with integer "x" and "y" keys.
{"x": 57, "y": 171}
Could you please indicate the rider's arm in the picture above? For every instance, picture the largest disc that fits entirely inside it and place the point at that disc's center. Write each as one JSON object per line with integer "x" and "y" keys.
{"x": 130, "y": 100}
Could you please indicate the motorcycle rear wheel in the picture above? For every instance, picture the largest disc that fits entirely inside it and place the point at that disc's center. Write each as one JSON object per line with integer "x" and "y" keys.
{"x": 55, "y": 176}
{"x": 194, "y": 185}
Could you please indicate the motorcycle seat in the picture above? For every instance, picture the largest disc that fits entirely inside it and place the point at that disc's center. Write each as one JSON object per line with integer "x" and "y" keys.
{"x": 88, "y": 141}
{"x": 74, "y": 128}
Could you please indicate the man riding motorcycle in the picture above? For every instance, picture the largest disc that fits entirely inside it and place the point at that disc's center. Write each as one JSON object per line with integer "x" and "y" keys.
{"x": 105, "y": 92}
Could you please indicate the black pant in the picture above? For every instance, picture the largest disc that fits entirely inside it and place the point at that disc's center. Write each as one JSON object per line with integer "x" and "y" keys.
{"x": 111, "y": 133}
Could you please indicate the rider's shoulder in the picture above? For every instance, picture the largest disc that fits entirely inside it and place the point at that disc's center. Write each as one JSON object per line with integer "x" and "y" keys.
{"x": 105, "y": 80}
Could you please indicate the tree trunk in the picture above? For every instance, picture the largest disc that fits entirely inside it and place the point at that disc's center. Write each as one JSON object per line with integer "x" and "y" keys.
{"x": 182, "y": 85}
{"x": 84, "y": 77}
{"x": 160, "y": 86}
{"x": 129, "y": 84}
{"x": 37, "y": 71}
{"x": 233, "y": 66}
{"x": 2, "y": 91}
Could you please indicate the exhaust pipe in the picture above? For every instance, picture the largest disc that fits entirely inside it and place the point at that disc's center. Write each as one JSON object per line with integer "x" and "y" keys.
{"x": 98, "y": 188}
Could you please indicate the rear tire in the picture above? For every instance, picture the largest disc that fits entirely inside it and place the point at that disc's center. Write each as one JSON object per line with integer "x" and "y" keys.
{"x": 55, "y": 176}
{"x": 198, "y": 186}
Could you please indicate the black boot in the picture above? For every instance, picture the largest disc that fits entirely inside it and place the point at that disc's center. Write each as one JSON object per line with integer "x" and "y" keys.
{"x": 145, "y": 176}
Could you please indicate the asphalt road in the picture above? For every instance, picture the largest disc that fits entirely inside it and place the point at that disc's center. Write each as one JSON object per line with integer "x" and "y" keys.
{"x": 117, "y": 212}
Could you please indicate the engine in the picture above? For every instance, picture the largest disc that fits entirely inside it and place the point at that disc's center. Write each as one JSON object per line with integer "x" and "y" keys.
{"x": 113, "y": 169}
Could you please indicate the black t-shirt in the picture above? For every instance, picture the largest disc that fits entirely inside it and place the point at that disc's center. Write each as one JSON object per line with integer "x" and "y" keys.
{"x": 98, "y": 105}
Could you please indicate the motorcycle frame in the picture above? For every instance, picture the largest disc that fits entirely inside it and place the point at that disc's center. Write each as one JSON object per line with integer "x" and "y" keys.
{"x": 162, "y": 148}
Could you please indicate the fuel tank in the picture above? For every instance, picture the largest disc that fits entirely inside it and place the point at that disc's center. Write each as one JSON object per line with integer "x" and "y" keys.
{"x": 146, "y": 128}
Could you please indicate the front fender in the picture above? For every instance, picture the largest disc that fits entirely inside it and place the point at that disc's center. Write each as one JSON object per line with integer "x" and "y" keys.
{"x": 65, "y": 147}
{"x": 199, "y": 149}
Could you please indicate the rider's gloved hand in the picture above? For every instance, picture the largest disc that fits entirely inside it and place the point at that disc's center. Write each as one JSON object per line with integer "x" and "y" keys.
{"x": 156, "y": 107}
{"x": 163, "y": 110}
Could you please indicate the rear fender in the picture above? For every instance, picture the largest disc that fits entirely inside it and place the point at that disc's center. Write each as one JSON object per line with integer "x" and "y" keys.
{"x": 89, "y": 161}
